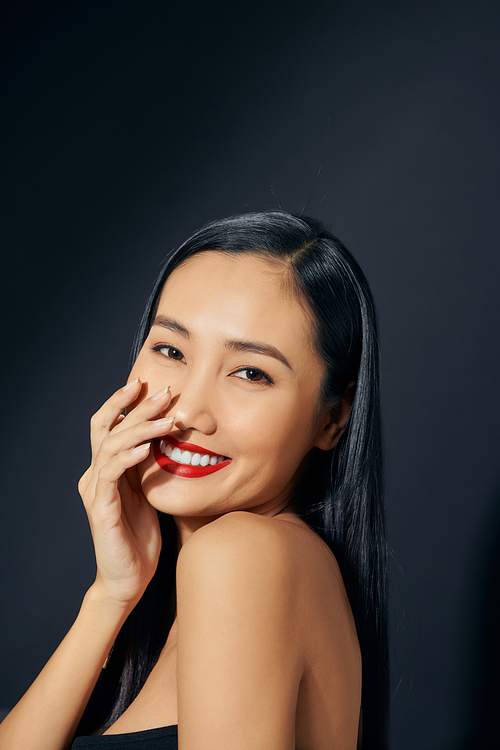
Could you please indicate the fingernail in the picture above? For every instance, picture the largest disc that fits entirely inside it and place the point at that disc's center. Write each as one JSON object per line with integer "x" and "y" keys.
{"x": 130, "y": 385}
{"x": 141, "y": 448}
{"x": 166, "y": 422}
{"x": 160, "y": 393}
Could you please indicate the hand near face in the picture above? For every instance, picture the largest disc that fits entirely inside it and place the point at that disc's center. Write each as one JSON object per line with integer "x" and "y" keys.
{"x": 235, "y": 346}
{"x": 124, "y": 525}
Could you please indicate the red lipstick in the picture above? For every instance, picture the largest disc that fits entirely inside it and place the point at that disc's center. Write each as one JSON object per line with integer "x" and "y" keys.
{"x": 185, "y": 470}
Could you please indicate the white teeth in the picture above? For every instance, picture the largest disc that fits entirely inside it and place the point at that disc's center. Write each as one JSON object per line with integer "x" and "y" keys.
{"x": 187, "y": 457}
{"x": 176, "y": 455}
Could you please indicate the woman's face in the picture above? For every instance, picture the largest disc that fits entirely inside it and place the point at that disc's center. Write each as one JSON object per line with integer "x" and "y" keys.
{"x": 235, "y": 347}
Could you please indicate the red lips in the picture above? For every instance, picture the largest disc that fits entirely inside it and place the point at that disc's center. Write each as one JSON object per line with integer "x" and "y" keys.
{"x": 185, "y": 470}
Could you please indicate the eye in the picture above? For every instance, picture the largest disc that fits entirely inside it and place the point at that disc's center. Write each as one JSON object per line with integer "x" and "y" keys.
{"x": 170, "y": 352}
{"x": 254, "y": 375}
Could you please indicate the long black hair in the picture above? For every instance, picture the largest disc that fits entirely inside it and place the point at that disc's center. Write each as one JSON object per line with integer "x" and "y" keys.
{"x": 340, "y": 492}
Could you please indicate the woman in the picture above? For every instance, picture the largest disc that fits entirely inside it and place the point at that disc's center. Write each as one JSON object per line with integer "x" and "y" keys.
{"x": 246, "y": 447}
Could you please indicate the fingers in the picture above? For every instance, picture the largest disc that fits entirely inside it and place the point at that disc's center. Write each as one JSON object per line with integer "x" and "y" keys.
{"x": 109, "y": 414}
{"x": 113, "y": 434}
{"x": 120, "y": 451}
{"x": 110, "y": 417}
{"x": 84, "y": 481}
{"x": 146, "y": 409}
{"x": 130, "y": 437}
{"x": 112, "y": 470}
{"x": 124, "y": 526}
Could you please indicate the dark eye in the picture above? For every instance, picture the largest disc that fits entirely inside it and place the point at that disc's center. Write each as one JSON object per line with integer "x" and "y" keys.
{"x": 254, "y": 375}
{"x": 170, "y": 352}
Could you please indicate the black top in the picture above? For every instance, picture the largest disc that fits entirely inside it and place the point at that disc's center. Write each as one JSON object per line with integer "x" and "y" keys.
{"x": 163, "y": 738}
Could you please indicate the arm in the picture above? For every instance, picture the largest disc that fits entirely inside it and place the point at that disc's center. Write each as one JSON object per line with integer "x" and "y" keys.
{"x": 47, "y": 715}
{"x": 239, "y": 654}
{"x": 127, "y": 544}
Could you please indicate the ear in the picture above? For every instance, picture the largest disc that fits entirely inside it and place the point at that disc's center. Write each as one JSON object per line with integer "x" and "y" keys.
{"x": 333, "y": 421}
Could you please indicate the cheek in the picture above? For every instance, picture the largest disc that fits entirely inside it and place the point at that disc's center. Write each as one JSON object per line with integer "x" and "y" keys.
{"x": 278, "y": 432}
{"x": 297, "y": 429}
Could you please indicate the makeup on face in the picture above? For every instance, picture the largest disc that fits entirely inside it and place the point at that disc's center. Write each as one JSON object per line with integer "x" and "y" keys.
{"x": 187, "y": 459}
{"x": 235, "y": 348}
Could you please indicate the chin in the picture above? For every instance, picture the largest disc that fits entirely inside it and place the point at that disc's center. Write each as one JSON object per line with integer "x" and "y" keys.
{"x": 179, "y": 496}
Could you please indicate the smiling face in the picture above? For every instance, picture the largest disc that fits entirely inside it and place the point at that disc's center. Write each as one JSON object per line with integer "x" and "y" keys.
{"x": 235, "y": 347}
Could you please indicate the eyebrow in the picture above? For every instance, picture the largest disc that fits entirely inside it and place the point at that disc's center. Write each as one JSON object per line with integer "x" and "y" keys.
{"x": 171, "y": 325}
{"x": 254, "y": 347}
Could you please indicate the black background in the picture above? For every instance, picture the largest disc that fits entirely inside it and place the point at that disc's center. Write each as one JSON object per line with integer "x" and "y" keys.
{"x": 125, "y": 126}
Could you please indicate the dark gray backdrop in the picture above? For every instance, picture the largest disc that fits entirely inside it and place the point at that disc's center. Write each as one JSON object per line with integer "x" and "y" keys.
{"x": 125, "y": 126}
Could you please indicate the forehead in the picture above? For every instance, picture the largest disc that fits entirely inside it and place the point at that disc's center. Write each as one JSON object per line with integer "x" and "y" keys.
{"x": 244, "y": 296}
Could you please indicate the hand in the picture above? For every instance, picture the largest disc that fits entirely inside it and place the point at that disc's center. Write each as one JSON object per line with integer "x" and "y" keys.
{"x": 124, "y": 526}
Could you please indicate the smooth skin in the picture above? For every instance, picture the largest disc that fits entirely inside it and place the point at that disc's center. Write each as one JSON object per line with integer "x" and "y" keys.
{"x": 263, "y": 652}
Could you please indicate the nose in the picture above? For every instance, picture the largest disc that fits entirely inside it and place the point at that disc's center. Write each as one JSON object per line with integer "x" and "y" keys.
{"x": 191, "y": 405}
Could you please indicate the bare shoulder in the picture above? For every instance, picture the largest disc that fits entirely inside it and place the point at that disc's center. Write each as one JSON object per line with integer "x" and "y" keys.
{"x": 264, "y": 630}
{"x": 239, "y": 657}
{"x": 235, "y": 531}
{"x": 237, "y": 551}
{"x": 255, "y": 557}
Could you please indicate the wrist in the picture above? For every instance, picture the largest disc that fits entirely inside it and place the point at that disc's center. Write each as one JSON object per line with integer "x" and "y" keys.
{"x": 97, "y": 600}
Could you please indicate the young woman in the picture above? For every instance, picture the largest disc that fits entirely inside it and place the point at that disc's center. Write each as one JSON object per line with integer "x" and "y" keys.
{"x": 234, "y": 497}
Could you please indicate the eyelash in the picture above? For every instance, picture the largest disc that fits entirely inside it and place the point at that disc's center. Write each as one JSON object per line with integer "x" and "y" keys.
{"x": 263, "y": 376}
{"x": 159, "y": 348}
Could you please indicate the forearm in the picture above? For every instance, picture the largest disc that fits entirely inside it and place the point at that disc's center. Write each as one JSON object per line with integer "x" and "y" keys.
{"x": 48, "y": 714}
